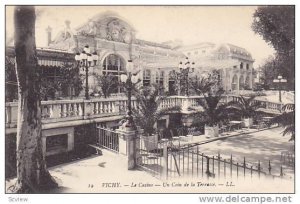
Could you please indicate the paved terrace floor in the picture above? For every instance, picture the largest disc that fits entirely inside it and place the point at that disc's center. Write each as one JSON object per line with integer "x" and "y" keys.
{"x": 255, "y": 145}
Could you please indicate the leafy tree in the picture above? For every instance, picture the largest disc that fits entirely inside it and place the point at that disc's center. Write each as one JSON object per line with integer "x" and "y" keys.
{"x": 148, "y": 111}
{"x": 286, "y": 120}
{"x": 276, "y": 24}
{"x": 70, "y": 77}
{"x": 48, "y": 88}
{"x": 268, "y": 71}
{"x": 107, "y": 82}
{"x": 11, "y": 90}
{"x": 32, "y": 173}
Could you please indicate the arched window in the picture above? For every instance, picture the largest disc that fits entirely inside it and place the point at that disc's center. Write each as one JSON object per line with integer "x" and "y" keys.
{"x": 114, "y": 65}
{"x": 234, "y": 83}
{"x": 242, "y": 85}
{"x": 241, "y": 65}
{"x": 247, "y": 82}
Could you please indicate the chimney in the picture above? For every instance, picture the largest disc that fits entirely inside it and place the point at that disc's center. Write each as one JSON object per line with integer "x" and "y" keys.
{"x": 49, "y": 32}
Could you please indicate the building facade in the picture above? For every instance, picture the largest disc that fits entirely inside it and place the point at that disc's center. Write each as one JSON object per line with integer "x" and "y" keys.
{"x": 115, "y": 42}
{"x": 234, "y": 64}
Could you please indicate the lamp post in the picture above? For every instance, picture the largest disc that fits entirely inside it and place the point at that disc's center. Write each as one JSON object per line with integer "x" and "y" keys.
{"x": 183, "y": 72}
{"x": 86, "y": 60}
{"x": 129, "y": 80}
{"x": 279, "y": 80}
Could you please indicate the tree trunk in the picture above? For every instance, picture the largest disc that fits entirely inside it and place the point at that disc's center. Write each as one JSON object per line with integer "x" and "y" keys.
{"x": 32, "y": 174}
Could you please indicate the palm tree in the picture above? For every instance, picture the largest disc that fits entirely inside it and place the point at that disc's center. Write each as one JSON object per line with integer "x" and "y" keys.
{"x": 246, "y": 108}
{"x": 206, "y": 84}
{"x": 149, "y": 110}
{"x": 214, "y": 111}
{"x": 286, "y": 120}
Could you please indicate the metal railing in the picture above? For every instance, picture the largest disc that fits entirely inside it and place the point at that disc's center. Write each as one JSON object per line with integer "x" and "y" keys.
{"x": 108, "y": 139}
{"x": 173, "y": 160}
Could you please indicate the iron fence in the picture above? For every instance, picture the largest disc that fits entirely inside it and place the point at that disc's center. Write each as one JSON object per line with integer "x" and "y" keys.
{"x": 108, "y": 139}
{"x": 168, "y": 159}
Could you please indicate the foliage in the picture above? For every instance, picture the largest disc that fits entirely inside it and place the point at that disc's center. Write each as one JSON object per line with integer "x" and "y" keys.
{"x": 205, "y": 84}
{"x": 269, "y": 71}
{"x": 276, "y": 24}
{"x": 107, "y": 82}
{"x": 48, "y": 88}
{"x": 214, "y": 111}
{"x": 286, "y": 120}
{"x": 245, "y": 106}
{"x": 11, "y": 90}
{"x": 148, "y": 111}
{"x": 69, "y": 77}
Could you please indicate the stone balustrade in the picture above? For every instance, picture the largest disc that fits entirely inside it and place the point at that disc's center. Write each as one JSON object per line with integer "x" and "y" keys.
{"x": 80, "y": 109}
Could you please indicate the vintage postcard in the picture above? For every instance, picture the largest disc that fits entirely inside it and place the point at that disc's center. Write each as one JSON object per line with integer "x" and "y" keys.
{"x": 150, "y": 99}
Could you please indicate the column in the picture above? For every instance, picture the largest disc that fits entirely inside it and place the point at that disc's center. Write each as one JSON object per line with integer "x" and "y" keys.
{"x": 166, "y": 80}
{"x": 238, "y": 82}
{"x": 128, "y": 146}
{"x": 251, "y": 78}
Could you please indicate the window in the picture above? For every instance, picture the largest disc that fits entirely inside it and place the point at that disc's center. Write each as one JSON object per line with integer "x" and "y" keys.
{"x": 241, "y": 65}
{"x": 160, "y": 77}
{"x": 57, "y": 142}
{"x": 114, "y": 65}
{"x": 247, "y": 66}
{"x": 146, "y": 77}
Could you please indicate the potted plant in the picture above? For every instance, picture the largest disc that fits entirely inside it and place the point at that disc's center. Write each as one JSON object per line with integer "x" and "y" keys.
{"x": 148, "y": 112}
{"x": 246, "y": 108}
{"x": 214, "y": 112}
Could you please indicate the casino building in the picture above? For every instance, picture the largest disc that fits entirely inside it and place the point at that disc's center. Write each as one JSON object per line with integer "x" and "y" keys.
{"x": 115, "y": 42}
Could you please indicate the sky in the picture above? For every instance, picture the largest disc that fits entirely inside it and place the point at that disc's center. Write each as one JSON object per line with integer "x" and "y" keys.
{"x": 191, "y": 24}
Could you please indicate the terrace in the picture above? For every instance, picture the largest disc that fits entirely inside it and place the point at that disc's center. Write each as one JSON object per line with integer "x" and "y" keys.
{"x": 62, "y": 113}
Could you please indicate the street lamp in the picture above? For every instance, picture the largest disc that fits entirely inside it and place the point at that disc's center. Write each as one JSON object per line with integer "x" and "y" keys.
{"x": 183, "y": 72}
{"x": 279, "y": 80}
{"x": 86, "y": 60}
{"x": 129, "y": 80}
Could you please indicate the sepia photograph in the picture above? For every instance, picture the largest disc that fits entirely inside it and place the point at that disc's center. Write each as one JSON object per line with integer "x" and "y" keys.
{"x": 149, "y": 99}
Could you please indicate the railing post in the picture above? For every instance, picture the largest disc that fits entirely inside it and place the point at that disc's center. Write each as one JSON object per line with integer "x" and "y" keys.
{"x": 128, "y": 146}
{"x": 88, "y": 109}
{"x": 7, "y": 115}
{"x": 207, "y": 167}
{"x": 259, "y": 168}
{"x": 270, "y": 168}
{"x": 165, "y": 158}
